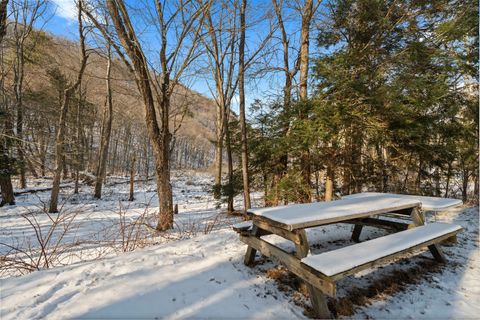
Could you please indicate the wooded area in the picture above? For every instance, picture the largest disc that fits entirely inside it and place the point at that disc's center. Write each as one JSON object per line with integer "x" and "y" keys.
{"x": 376, "y": 95}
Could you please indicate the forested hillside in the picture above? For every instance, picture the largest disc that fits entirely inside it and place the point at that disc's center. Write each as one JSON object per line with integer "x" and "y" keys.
{"x": 50, "y": 62}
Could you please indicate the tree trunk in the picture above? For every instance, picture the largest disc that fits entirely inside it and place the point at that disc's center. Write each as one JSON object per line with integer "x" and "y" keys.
{"x": 7, "y": 190}
{"x": 243, "y": 124}
{"x": 59, "y": 156}
{"x": 329, "y": 180}
{"x": 475, "y": 187}
{"x": 164, "y": 188}
{"x": 3, "y": 18}
{"x": 132, "y": 179}
{"x": 230, "y": 188}
{"x": 78, "y": 142}
{"x": 307, "y": 14}
{"x": 146, "y": 158}
{"x": 218, "y": 159}
{"x": 449, "y": 175}
{"x": 18, "y": 89}
{"x": 465, "y": 178}
{"x": 317, "y": 185}
{"x": 113, "y": 165}
{"x": 6, "y": 187}
{"x": 106, "y": 132}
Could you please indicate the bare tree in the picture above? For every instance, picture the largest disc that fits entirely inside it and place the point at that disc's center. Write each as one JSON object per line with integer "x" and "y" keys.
{"x": 3, "y": 18}
{"x": 132, "y": 180}
{"x": 241, "y": 95}
{"x": 25, "y": 14}
{"x": 180, "y": 23}
{"x": 307, "y": 14}
{"x": 67, "y": 95}
{"x": 106, "y": 129}
{"x": 6, "y": 186}
{"x": 221, "y": 43}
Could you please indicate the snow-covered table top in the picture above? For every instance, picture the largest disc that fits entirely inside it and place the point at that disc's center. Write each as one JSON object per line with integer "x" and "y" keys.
{"x": 298, "y": 216}
{"x": 428, "y": 203}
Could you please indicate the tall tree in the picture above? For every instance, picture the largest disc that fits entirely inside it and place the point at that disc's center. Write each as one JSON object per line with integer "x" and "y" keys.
{"x": 220, "y": 43}
{"x": 184, "y": 19}
{"x": 106, "y": 129}
{"x": 295, "y": 58}
{"x": 67, "y": 95}
{"x": 308, "y": 10}
{"x": 6, "y": 187}
{"x": 25, "y": 14}
{"x": 3, "y": 18}
{"x": 241, "y": 97}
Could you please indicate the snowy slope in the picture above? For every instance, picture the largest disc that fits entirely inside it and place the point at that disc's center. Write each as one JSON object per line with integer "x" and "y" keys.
{"x": 201, "y": 277}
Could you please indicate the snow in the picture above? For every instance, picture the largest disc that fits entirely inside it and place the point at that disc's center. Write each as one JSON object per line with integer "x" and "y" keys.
{"x": 197, "y": 270}
{"x": 344, "y": 259}
{"x": 201, "y": 278}
{"x": 428, "y": 203}
{"x": 317, "y": 213}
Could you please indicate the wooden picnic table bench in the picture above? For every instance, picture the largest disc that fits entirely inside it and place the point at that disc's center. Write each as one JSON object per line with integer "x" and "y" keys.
{"x": 321, "y": 271}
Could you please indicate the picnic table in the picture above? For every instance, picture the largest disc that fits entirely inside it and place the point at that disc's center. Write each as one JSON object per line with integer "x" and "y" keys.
{"x": 321, "y": 271}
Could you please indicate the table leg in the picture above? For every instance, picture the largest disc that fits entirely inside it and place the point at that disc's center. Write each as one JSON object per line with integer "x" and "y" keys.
{"x": 418, "y": 218}
{"x": 437, "y": 252}
{"x": 251, "y": 252}
{"x": 317, "y": 297}
{"x": 356, "y": 232}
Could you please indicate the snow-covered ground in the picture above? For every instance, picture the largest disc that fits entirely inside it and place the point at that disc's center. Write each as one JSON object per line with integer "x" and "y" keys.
{"x": 197, "y": 270}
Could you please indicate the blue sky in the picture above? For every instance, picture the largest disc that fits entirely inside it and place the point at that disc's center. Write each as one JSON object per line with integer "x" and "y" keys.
{"x": 62, "y": 22}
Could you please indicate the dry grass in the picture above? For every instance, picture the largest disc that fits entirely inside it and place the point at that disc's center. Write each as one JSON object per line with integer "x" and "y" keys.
{"x": 382, "y": 286}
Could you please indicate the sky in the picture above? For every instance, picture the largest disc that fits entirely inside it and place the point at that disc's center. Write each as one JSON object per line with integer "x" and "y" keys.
{"x": 61, "y": 20}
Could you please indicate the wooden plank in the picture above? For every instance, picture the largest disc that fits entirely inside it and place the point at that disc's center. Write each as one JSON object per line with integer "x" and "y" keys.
{"x": 293, "y": 264}
{"x": 388, "y": 258}
{"x": 289, "y": 235}
{"x": 379, "y": 223}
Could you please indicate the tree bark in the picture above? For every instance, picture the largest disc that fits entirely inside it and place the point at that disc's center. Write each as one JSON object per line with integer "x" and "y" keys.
{"x": 78, "y": 142}
{"x": 330, "y": 178}
{"x": 21, "y": 32}
{"x": 231, "y": 190}
{"x": 305, "y": 167}
{"x": 106, "y": 131}
{"x": 241, "y": 94}
{"x": 218, "y": 156}
{"x": 132, "y": 179}
{"x": 3, "y": 19}
{"x": 465, "y": 178}
{"x": 6, "y": 187}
